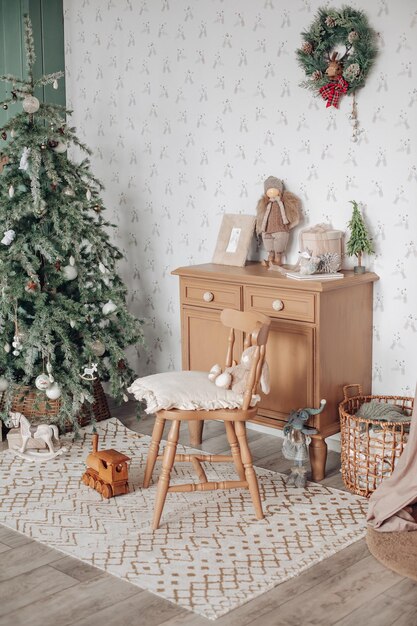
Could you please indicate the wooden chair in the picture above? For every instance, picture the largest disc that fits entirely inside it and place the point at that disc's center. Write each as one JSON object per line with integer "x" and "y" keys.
{"x": 256, "y": 328}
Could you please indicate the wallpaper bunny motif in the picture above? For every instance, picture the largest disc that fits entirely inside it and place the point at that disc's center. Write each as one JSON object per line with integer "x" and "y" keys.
{"x": 190, "y": 105}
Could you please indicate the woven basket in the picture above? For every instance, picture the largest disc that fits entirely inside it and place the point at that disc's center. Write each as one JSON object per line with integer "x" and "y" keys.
{"x": 368, "y": 455}
{"x": 36, "y": 407}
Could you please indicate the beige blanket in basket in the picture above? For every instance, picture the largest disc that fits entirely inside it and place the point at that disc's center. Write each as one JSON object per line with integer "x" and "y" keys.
{"x": 390, "y": 506}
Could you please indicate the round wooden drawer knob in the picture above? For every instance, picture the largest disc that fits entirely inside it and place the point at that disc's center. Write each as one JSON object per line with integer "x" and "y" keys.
{"x": 277, "y": 305}
{"x": 208, "y": 296}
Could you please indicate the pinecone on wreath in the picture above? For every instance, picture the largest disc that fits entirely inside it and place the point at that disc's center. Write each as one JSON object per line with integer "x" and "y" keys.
{"x": 330, "y": 21}
{"x": 307, "y": 47}
{"x": 352, "y": 71}
{"x": 353, "y": 36}
{"x": 317, "y": 75}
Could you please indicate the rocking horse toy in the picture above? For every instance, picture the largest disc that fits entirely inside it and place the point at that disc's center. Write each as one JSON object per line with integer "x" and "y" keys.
{"x": 45, "y": 432}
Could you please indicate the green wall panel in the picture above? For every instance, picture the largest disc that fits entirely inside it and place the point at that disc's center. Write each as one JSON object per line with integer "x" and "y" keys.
{"x": 48, "y": 31}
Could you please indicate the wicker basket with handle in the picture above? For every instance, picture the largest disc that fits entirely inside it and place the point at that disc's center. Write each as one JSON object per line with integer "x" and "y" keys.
{"x": 370, "y": 448}
{"x": 36, "y": 407}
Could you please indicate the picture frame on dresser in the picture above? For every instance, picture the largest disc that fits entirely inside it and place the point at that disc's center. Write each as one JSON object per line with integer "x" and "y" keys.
{"x": 234, "y": 239}
{"x": 320, "y": 338}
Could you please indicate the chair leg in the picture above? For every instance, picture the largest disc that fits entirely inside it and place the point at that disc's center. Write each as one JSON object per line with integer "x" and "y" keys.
{"x": 167, "y": 463}
{"x": 249, "y": 471}
{"x": 157, "y": 432}
{"x": 234, "y": 446}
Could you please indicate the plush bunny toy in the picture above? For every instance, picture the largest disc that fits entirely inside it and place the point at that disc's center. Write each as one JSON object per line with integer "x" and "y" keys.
{"x": 235, "y": 377}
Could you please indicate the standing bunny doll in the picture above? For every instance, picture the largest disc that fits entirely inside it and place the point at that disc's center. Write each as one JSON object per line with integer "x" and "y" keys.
{"x": 278, "y": 211}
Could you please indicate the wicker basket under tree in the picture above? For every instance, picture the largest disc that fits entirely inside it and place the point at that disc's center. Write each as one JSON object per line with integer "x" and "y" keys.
{"x": 38, "y": 408}
{"x": 370, "y": 448}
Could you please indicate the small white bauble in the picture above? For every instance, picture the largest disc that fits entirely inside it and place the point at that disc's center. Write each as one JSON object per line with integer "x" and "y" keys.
{"x": 42, "y": 382}
{"x": 70, "y": 272}
{"x": 67, "y": 191}
{"x": 109, "y": 307}
{"x": 60, "y": 148}
{"x": 30, "y": 104}
{"x": 16, "y": 352}
{"x": 53, "y": 392}
{"x": 88, "y": 195}
{"x": 98, "y": 347}
{"x": 11, "y": 191}
{"x": 7, "y": 347}
{"x": 72, "y": 323}
{"x": 4, "y": 383}
{"x": 55, "y": 84}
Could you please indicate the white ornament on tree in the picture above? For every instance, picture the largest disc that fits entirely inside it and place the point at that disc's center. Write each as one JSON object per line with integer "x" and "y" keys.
{"x": 11, "y": 191}
{"x": 49, "y": 370}
{"x": 53, "y": 392}
{"x": 8, "y": 237}
{"x": 98, "y": 347}
{"x": 70, "y": 272}
{"x": 89, "y": 372}
{"x": 4, "y": 383}
{"x": 88, "y": 195}
{"x": 108, "y": 307}
{"x": 60, "y": 148}
{"x": 42, "y": 382}
{"x": 55, "y": 84}
{"x": 24, "y": 159}
{"x": 30, "y": 104}
{"x": 7, "y": 348}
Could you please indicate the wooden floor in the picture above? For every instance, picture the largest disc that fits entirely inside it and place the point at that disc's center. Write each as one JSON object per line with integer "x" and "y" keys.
{"x": 41, "y": 587}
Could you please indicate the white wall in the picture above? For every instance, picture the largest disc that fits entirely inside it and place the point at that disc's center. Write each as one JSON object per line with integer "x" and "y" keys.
{"x": 190, "y": 105}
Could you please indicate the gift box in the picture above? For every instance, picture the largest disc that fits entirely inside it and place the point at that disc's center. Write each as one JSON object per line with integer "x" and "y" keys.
{"x": 322, "y": 238}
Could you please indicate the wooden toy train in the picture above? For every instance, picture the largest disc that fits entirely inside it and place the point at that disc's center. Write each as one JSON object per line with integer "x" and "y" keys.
{"x": 107, "y": 471}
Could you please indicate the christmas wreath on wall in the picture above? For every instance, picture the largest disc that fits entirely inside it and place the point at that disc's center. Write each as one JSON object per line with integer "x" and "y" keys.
{"x": 328, "y": 74}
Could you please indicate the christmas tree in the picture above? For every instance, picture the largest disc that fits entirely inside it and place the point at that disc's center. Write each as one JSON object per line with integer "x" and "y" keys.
{"x": 360, "y": 240}
{"x": 63, "y": 318}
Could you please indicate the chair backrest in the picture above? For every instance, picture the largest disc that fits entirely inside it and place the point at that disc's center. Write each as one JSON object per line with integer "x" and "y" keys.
{"x": 256, "y": 328}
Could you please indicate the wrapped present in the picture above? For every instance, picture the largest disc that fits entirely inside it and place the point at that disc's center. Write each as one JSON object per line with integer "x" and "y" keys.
{"x": 322, "y": 238}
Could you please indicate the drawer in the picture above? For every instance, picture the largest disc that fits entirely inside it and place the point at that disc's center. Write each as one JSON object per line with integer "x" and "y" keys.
{"x": 210, "y": 294}
{"x": 287, "y": 304}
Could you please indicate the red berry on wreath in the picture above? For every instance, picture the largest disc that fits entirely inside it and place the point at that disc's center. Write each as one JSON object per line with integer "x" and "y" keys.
{"x": 57, "y": 265}
{"x": 121, "y": 364}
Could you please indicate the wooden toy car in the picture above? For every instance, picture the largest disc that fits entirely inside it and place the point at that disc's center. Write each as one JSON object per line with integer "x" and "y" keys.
{"x": 107, "y": 471}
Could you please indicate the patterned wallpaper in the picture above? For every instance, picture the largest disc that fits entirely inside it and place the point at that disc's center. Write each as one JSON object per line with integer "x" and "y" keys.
{"x": 190, "y": 104}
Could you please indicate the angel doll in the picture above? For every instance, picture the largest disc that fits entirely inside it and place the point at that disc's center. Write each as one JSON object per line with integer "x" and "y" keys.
{"x": 278, "y": 211}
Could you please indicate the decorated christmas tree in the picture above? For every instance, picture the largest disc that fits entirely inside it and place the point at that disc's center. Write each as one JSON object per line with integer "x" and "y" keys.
{"x": 359, "y": 241}
{"x": 63, "y": 318}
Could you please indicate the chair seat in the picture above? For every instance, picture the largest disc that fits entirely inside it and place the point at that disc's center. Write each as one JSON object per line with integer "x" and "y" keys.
{"x": 189, "y": 391}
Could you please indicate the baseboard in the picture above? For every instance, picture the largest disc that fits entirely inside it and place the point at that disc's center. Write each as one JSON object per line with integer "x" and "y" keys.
{"x": 333, "y": 442}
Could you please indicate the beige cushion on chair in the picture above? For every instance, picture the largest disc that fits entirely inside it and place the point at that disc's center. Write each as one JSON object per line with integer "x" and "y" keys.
{"x": 188, "y": 391}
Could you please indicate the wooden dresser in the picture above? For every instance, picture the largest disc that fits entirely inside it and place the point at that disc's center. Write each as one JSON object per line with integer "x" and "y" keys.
{"x": 320, "y": 338}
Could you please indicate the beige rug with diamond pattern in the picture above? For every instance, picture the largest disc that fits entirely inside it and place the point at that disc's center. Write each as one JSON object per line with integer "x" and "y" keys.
{"x": 210, "y": 554}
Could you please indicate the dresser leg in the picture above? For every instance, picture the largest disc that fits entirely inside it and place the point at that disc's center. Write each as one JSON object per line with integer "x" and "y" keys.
{"x": 195, "y": 429}
{"x": 318, "y": 456}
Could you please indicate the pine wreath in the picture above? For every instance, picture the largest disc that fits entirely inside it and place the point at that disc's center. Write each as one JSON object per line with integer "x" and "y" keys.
{"x": 328, "y": 75}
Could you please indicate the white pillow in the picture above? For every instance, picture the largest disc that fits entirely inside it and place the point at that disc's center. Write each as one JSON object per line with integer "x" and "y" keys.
{"x": 185, "y": 390}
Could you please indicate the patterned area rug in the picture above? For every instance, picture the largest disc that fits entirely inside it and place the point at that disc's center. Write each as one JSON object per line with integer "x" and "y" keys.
{"x": 210, "y": 555}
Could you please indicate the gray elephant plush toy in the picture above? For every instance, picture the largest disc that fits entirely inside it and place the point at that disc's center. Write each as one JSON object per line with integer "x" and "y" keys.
{"x": 296, "y": 439}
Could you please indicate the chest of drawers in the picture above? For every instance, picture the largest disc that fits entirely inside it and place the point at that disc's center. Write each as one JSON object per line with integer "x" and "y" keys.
{"x": 320, "y": 338}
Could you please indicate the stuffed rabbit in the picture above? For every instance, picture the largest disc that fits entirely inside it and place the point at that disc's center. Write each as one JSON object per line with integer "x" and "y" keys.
{"x": 235, "y": 377}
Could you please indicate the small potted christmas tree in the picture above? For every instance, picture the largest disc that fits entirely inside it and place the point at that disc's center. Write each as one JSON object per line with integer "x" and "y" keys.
{"x": 359, "y": 241}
